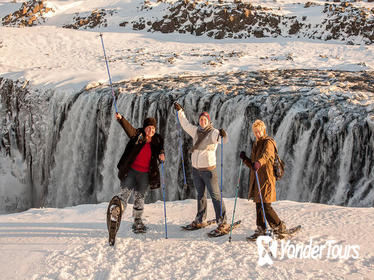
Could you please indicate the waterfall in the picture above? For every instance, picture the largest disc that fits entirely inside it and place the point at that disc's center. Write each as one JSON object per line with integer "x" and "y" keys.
{"x": 72, "y": 178}
{"x": 344, "y": 167}
{"x": 66, "y": 146}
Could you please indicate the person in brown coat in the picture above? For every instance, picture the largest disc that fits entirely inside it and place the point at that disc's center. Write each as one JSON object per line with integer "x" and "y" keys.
{"x": 261, "y": 160}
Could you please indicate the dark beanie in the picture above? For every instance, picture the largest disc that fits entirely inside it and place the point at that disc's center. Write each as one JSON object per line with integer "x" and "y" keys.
{"x": 150, "y": 121}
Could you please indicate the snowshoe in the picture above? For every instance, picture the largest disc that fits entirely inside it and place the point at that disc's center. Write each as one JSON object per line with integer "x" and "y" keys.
{"x": 287, "y": 233}
{"x": 195, "y": 226}
{"x": 284, "y": 234}
{"x": 258, "y": 232}
{"x": 114, "y": 215}
{"x": 281, "y": 228}
{"x": 254, "y": 236}
{"x": 223, "y": 229}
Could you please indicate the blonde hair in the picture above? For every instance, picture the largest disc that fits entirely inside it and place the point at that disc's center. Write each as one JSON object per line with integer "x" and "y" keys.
{"x": 259, "y": 124}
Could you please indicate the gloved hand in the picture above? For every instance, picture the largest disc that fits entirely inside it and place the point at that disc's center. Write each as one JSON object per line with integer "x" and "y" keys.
{"x": 222, "y": 133}
{"x": 242, "y": 155}
{"x": 256, "y": 166}
{"x": 177, "y": 106}
{"x": 118, "y": 116}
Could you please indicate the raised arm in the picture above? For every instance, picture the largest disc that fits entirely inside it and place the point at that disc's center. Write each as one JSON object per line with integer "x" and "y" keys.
{"x": 189, "y": 128}
{"x": 127, "y": 127}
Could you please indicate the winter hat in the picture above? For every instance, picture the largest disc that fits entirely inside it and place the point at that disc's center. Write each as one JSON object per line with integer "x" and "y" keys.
{"x": 205, "y": 114}
{"x": 150, "y": 121}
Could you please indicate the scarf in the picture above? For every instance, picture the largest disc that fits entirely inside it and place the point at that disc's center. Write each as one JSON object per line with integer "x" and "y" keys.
{"x": 202, "y": 133}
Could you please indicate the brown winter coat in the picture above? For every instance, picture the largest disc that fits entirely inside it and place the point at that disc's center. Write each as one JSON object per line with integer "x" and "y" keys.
{"x": 262, "y": 151}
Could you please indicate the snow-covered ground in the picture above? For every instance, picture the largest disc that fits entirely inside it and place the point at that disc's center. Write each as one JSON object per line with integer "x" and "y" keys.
{"x": 68, "y": 59}
{"x": 71, "y": 243}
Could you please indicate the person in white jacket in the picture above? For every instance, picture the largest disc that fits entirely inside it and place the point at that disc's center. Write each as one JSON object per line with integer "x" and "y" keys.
{"x": 205, "y": 139}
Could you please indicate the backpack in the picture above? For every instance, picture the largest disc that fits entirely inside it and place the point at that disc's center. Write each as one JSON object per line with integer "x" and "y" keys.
{"x": 278, "y": 164}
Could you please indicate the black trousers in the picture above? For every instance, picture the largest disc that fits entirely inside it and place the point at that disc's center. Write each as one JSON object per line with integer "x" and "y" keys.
{"x": 271, "y": 217}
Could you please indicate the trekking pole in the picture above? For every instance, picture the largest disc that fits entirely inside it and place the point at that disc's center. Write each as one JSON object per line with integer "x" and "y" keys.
{"x": 163, "y": 194}
{"x": 107, "y": 68}
{"x": 181, "y": 151}
{"x": 221, "y": 171}
{"x": 262, "y": 204}
{"x": 236, "y": 196}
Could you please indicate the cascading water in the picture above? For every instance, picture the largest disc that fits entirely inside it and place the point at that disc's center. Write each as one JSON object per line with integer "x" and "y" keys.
{"x": 66, "y": 146}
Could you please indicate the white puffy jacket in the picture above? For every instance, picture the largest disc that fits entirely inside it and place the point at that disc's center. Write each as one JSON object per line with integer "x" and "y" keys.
{"x": 207, "y": 157}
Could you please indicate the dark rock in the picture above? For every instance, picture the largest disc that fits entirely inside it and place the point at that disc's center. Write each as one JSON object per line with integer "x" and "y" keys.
{"x": 219, "y": 35}
{"x": 295, "y": 27}
{"x": 210, "y": 25}
{"x": 30, "y": 13}
{"x": 339, "y": 21}
{"x": 168, "y": 27}
{"x": 157, "y": 25}
{"x": 258, "y": 33}
{"x": 138, "y": 26}
{"x": 200, "y": 30}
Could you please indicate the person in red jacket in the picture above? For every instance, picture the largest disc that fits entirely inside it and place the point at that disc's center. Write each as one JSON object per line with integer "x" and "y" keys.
{"x": 138, "y": 166}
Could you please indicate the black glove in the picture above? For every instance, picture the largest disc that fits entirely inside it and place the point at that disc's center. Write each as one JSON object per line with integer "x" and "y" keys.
{"x": 222, "y": 133}
{"x": 177, "y": 106}
{"x": 242, "y": 155}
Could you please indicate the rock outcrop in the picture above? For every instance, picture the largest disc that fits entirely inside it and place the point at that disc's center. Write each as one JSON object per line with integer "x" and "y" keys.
{"x": 31, "y": 13}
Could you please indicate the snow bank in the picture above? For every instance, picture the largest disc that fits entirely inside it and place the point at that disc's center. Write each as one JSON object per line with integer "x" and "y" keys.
{"x": 71, "y": 243}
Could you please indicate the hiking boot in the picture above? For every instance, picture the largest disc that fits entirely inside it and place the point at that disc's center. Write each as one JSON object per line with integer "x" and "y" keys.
{"x": 260, "y": 230}
{"x": 223, "y": 227}
{"x": 281, "y": 228}
{"x": 196, "y": 224}
{"x": 138, "y": 224}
